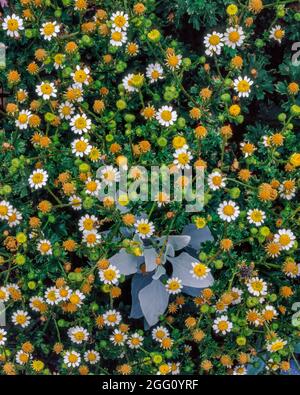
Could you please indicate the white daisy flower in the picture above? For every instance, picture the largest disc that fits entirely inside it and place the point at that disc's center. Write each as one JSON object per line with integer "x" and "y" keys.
{"x": 81, "y": 147}
{"x": 46, "y": 90}
{"x": 38, "y": 179}
{"x": 63, "y": 293}
{"x": 92, "y": 187}
{"x": 88, "y": 222}
{"x": 112, "y": 318}
{"x": 166, "y": 116}
{"x": 109, "y": 175}
{"x": 22, "y": 357}
{"x": 242, "y": 85}
{"x": 91, "y": 356}
{"x": 135, "y": 341}
{"x": 174, "y": 285}
{"x": 285, "y": 238}
{"x": 14, "y": 218}
{"x": 36, "y": 302}
{"x": 256, "y": 217}
{"x": 91, "y": 238}
{"x": 216, "y": 181}
{"x": 44, "y": 247}
{"x": 154, "y": 72}
{"x": 119, "y": 20}
{"x": 276, "y": 345}
{"x": 78, "y": 334}
{"x": 234, "y": 37}
{"x": 23, "y": 119}
{"x": 4, "y": 295}
{"x": 287, "y": 190}
{"x": 118, "y": 338}
{"x": 257, "y": 287}
{"x": 51, "y": 296}
{"x": 144, "y": 228}
{"x": 127, "y": 83}
{"x": 66, "y": 110}
{"x": 182, "y": 158}
{"x": 213, "y": 43}
{"x": 81, "y": 76}
{"x": 199, "y": 270}
{"x": 12, "y": 24}
{"x": 21, "y": 318}
{"x": 277, "y": 33}
{"x": 240, "y": 370}
{"x": 110, "y": 275}
{"x": 3, "y": 337}
{"x": 159, "y": 333}
{"x": 76, "y": 297}
{"x": 80, "y": 124}
{"x": 222, "y": 325}
{"x": 76, "y": 202}
{"x": 72, "y": 359}
{"x": 228, "y": 211}
{"x": 6, "y": 209}
{"x": 236, "y": 294}
{"x": 49, "y": 30}
{"x": 118, "y": 38}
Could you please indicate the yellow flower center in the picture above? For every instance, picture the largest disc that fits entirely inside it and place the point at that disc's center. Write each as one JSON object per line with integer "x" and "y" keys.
{"x": 12, "y": 25}
{"x": 144, "y": 228}
{"x": 120, "y": 20}
{"x": 111, "y": 318}
{"x": 183, "y": 158}
{"x": 91, "y": 238}
{"x": 91, "y": 186}
{"x": 118, "y": 337}
{"x": 73, "y": 358}
{"x": 3, "y": 210}
{"x": 80, "y": 76}
{"x": 109, "y": 274}
{"x": 21, "y": 319}
{"x": 49, "y": 29}
{"x": 81, "y": 146}
{"x": 234, "y": 36}
{"x": 166, "y": 115}
{"x": 174, "y": 285}
{"x": 223, "y": 325}
{"x": 88, "y": 224}
{"x": 22, "y": 118}
{"x": 79, "y": 336}
{"x": 200, "y": 270}
{"x": 243, "y": 86}
{"x": 279, "y": 34}
{"x": 228, "y": 210}
{"x": 75, "y": 299}
{"x": 46, "y": 89}
{"x": 256, "y": 216}
{"x": 155, "y": 74}
{"x": 116, "y": 36}
{"x": 214, "y": 39}
{"x": 257, "y": 286}
{"x": 44, "y": 247}
{"x": 277, "y": 346}
{"x": 284, "y": 240}
{"x": 37, "y": 178}
{"x": 80, "y": 123}
{"x": 217, "y": 180}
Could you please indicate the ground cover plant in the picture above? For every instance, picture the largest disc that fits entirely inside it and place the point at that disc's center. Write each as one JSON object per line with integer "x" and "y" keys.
{"x": 122, "y": 285}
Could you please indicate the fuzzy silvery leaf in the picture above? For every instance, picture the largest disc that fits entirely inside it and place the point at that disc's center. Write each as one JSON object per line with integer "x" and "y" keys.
{"x": 126, "y": 263}
{"x": 182, "y": 265}
{"x": 198, "y": 236}
{"x": 179, "y": 242}
{"x": 150, "y": 259}
{"x": 191, "y": 291}
{"x": 255, "y": 370}
{"x": 160, "y": 271}
{"x": 139, "y": 281}
{"x": 154, "y": 300}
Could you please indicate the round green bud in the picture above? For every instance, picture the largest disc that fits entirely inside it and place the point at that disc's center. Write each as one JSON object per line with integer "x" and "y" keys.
{"x": 204, "y": 308}
{"x": 84, "y": 168}
{"x": 202, "y": 59}
{"x": 281, "y": 117}
{"x": 219, "y": 264}
{"x": 226, "y": 98}
{"x": 121, "y": 104}
{"x": 259, "y": 43}
{"x": 235, "y": 193}
{"x": 186, "y": 62}
{"x": 109, "y": 138}
{"x": 295, "y": 110}
{"x": 297, "y": 16}
{"x": 162, "y": 142}
{"x": 130, "y": 118}
{"x": 181, "y": 122}
{"x": 31, "y": 285}
{"x": 241, "y": 341}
